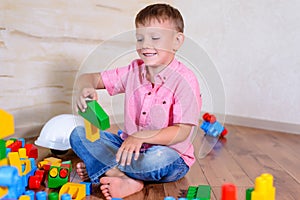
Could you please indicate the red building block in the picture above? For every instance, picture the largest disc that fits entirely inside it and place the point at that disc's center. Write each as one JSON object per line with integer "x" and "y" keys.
{"x": 15, "y": 146}
{"x": 31, "y": 151}
{"x": 229, "y": 192}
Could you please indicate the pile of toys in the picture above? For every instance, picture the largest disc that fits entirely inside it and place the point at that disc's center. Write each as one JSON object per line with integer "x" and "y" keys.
{"x": 21, "y": 178}
{"x": 263, "y": 190}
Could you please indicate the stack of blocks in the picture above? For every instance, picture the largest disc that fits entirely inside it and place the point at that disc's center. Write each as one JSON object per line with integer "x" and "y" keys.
{"x": 263, "y": 189}
{"x": 95, "y": 118}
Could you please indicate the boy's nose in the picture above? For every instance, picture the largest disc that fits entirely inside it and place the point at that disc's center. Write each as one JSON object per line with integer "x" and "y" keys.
{"x": 146, "y": 44}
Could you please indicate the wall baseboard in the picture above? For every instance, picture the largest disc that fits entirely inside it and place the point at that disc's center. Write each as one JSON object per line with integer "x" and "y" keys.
{"x": 33, "y": 131}
{"x": 250, "y": 122}
{"x": 263, "y": 124}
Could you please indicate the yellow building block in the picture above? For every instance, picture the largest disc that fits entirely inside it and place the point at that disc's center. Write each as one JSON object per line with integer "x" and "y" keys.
{"x": 53, "y": 161}
{"x": 9, "y": 142}
{"x": 27, "y": 167}
{"x": 4, "y": 162}
{"x": 76, "y": 190}
{"x": 3, "y": 191}
{"x": 41, "y": 164}
{"x": 24, "y": 197}
{"x": 14, "y": 160}
{"x": 263, "y": 189}
{"x": 22, "y": 153}
{"x": 91, "y": 131}
{"x": 7, "y": 127}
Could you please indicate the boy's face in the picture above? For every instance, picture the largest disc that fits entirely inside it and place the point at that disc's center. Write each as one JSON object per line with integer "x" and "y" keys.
{"x": 157, "y": 42}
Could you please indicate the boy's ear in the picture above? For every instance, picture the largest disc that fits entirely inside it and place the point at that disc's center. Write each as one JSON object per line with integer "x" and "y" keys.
{"x": 178, "y": 41}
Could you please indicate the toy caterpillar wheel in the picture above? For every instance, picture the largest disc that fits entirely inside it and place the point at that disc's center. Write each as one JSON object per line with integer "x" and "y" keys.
{"x": 59, "y": 152}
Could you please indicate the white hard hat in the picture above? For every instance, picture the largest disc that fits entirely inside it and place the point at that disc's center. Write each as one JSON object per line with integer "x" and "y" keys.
{"x": 56, "y": 132}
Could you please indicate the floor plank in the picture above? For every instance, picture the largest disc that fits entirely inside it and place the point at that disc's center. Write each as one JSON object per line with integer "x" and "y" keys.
{"x": 256, "y": 161}
{"x": 285, "y": 156}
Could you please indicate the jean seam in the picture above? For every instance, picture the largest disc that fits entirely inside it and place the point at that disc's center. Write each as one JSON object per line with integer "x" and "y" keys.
{"x": 182, "y": 164}
{"x": 95, "y": 176}
{"x": 108, "y": 139}
{"x": 161, "y": 167}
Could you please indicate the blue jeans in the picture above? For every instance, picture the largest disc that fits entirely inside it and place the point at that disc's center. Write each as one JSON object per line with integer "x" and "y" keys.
{"x": 157, "y": 163}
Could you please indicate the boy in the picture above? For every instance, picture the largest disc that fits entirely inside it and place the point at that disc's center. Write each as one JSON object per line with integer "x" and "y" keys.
{"x": 162, "y": 104}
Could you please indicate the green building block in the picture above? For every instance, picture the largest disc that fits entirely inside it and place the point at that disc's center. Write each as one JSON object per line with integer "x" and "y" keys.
{"x": 58, "y": 176}
{"x": 53, "y": 196}
{"x": 96, "y": 115}
{"x": 248, "y": 193}
{"x": 191, "y": 193}
{"x": 2, "y": 149}
{"x": 202, "y": 192}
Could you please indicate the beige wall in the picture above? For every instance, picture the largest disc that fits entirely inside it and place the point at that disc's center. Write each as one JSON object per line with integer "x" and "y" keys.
{"x": 42, "y": 45}
{"x": 253, "y": 44}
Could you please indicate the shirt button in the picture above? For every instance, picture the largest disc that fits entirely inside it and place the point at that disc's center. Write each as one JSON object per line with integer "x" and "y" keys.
{"x": 144, "y": 113}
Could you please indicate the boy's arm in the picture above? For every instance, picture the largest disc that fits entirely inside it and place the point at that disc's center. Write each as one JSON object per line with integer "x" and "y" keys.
{"x": 166, "y": 136}
{"x": 85, "y": 87}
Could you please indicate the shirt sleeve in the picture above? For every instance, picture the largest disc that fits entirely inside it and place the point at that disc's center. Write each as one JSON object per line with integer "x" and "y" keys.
{"x": 188, "y": 102}
{"x": 115, "y": 80}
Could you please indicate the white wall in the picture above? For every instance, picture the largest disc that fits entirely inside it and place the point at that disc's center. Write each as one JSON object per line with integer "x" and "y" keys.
{"x": 255, "y": 47}
{"x": 253, "y": 44}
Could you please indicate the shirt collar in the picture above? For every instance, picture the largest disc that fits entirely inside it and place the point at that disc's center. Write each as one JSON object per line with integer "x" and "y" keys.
{"x": 162, "y": 76}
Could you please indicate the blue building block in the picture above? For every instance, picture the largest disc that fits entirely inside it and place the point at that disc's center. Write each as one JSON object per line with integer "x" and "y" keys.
{"x": 23, "y": 142}
{"x": 41, "y": 195}
{"x": 30, "y": 193}
{"x": 66, "y": 197}
{"x": 212, "y": 127}
{"x": 88, "y": 188}
{"x": 169, "y": 198}
{"x": 10, "y": 179}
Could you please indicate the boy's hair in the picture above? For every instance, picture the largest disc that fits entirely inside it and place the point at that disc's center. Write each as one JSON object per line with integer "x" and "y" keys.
{"x": 160, "y": 12}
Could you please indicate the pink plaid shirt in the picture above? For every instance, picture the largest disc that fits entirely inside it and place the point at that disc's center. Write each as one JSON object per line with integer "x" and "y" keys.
{"x": 174, "y": 98}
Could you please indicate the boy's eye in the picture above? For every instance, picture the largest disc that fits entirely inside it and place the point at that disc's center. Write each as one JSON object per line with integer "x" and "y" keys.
{"x": 139, "y": 39}
{"x": 155, "y": 38}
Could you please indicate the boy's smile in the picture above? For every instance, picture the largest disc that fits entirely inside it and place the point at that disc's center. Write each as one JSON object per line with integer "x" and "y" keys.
{"x": 156, "y": 43}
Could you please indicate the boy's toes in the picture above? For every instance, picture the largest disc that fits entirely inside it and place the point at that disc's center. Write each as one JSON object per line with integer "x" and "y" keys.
{"x": 81, "y": 171}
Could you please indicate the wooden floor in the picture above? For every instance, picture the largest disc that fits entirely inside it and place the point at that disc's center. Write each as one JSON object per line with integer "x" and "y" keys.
{"x": 245, "y": 154}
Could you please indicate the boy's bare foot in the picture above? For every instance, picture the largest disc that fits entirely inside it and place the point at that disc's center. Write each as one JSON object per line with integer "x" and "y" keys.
{"x": 119, "y": 187}
{"x": 81, "y": 171}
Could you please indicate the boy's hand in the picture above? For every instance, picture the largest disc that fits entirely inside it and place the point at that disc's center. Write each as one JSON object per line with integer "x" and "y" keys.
{"x": 130, "y": 146}
{"x": 83, "y": 95}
